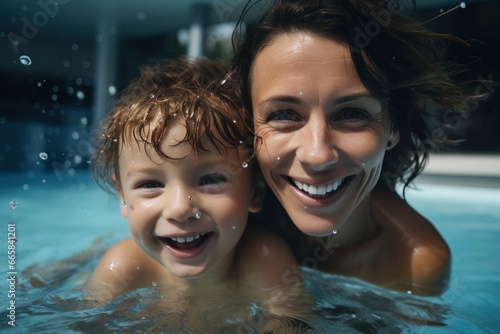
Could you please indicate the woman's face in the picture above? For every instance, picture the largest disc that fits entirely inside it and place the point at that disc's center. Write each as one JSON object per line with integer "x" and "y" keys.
{"x": 321, "y": 135}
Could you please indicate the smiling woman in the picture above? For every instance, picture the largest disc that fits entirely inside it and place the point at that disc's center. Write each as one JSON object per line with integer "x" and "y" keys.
{"x": 339, "y": 123}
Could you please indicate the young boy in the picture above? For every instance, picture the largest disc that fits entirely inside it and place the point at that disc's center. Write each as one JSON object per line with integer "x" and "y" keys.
{"x": 176, "y": 150}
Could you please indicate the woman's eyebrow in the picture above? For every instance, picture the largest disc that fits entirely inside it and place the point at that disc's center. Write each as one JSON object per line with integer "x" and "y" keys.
{"x": 353, "y": 97}
{"x": 342, "y": 99}
{"x": 282, "y": 98}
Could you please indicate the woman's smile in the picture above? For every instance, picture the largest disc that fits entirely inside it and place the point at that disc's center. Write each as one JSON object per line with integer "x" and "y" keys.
{"x": 313, "y": 112}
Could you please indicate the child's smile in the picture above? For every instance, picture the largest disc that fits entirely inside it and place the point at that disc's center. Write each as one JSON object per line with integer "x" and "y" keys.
{"x": 187, "y": 211}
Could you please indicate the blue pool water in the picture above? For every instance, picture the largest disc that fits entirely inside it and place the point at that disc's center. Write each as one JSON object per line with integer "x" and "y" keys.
{"x": 56, "y": 217}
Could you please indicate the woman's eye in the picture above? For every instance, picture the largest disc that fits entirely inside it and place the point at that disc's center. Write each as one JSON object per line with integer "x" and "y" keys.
{"x": 283, "y": 115}
{"x": 212, "y": 179}
{"x": 353, "y": 115}
{"x": 150, "y": 185}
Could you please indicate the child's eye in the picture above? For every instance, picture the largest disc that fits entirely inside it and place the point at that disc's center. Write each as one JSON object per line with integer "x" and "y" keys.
{"x": 150, "y": 185}
{"x": 212, "y": 179}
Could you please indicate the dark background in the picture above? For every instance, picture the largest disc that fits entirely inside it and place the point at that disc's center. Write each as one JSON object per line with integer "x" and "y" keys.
{"x": 50, "y": 105}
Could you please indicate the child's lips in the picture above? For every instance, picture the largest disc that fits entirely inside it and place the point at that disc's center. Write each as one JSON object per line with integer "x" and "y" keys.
{"x": 186, "y": 247}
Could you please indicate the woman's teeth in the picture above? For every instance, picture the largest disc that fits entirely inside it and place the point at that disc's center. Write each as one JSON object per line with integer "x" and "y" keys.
{"x": 318, "y": 190}
{"x": 187, "y": 239}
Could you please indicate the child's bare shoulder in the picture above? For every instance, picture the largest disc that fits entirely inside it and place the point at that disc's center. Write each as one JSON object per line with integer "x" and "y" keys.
{"x": 123, "y": 268}
{"x": 265, "y": 258}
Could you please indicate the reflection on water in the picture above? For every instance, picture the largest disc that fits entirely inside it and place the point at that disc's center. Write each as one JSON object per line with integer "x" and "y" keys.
{"x": 51, "y": 300}
{"x": 56, "y": 218}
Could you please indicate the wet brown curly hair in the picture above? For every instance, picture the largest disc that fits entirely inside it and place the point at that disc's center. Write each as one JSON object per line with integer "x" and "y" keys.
{"x": 198, "y": 92}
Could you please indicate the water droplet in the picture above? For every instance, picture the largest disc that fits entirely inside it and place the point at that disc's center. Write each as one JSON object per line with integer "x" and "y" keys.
{"x": 244, "y": 164}
{"x": 190, "y": 197}
{"x": 153, "y": 284}
{"x": 80, "y": 95}
{"x": 198, "y": 215}
{"x": 301, "y": 92}
{"x": 278, "y": 158}
{"x": 13, "y": 205}
{"x": 234, "y": 121}
{"x": 223, "y": 82}
{"x": 463, "y": 4}
{"x": 334, "y": 232}
{"x": 43, "y": 156}
{"x": 409, "y": 292}
{"x": 112, "y": 90}
{"x": 151, "y": 96}
{"x": 234, "y": 227}
{"x": 25, "y": 60}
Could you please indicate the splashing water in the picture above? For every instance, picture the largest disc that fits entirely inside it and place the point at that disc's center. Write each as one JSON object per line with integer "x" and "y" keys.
{"x": 25, "y": 60}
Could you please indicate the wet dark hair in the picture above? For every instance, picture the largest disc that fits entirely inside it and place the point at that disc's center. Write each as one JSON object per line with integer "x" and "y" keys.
{"x": 200, "y": 93}
{"x": 397, "y": 59}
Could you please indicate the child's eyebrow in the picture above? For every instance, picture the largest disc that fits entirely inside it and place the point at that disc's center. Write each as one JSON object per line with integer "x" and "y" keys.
{"x": 141, "y": 170}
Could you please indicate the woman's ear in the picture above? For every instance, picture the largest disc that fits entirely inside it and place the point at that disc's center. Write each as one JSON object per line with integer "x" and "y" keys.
{"x": 259, "y": 192}
{"x": 393, "y": 139}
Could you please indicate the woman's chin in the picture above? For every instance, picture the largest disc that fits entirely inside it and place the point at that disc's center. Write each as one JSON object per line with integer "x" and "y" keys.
{"x": 315, "y": 226}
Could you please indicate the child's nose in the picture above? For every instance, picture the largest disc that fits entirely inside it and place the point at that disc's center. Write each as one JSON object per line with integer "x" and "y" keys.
{"x": 183, "y": 207}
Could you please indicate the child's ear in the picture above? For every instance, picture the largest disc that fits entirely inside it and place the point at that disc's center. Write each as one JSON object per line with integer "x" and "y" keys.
{"x": 259, "y": 192}
{"x": 119, "y": 192}
{"x": 123, "y": 204}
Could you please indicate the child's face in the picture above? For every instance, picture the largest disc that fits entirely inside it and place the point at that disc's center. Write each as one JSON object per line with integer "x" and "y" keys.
{"x": 164, "y": 197}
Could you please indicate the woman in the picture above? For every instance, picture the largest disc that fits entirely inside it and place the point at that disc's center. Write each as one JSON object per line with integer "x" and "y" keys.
{"x": 343, "y": 94}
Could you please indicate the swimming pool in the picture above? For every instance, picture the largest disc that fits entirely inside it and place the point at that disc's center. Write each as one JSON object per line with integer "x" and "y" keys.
{"x": 56, "y": 217}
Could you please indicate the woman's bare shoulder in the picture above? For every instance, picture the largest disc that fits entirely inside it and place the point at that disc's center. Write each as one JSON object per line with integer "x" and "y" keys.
{"x": 427, "y": 256}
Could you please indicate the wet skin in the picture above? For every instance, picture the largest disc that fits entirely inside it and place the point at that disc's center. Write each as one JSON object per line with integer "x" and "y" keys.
{"x": 164, "y": 196}
{"x": 321, "y": 141}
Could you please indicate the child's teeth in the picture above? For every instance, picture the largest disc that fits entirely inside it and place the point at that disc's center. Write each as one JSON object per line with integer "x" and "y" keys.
{"x": 186, "y": 239}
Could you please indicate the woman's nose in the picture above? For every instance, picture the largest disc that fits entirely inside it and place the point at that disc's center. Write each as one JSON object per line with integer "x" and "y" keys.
{"x": 181, "y": 206}
{"x": 316, "y": 148}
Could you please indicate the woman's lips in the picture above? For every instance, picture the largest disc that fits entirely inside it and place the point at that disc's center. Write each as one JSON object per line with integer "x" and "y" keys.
{"x": 318, "y": 191}
{"x": 318, "y": 196}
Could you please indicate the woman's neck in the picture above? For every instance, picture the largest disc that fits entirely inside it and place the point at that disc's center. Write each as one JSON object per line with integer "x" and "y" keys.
{"x": 360, "y": 227}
